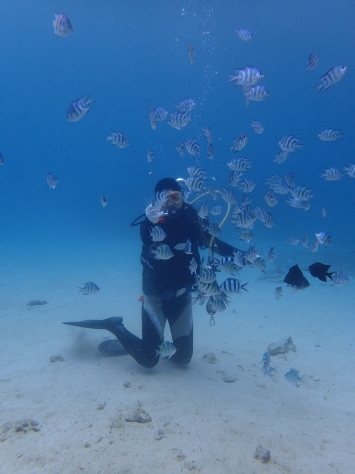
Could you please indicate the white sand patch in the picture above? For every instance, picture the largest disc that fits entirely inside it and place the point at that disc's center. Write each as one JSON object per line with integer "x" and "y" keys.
{"x": 199, "y": 422}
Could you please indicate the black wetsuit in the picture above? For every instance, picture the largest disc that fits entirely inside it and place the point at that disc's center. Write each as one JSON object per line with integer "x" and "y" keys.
{"x": 167, "y": 288}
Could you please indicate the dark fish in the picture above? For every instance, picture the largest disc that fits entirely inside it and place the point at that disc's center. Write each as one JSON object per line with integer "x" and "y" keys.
{"x": 319, "y": 270}
{"x": 296, "y": 279}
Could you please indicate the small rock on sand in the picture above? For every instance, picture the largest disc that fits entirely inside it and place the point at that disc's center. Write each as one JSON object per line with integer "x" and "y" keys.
{"x": 286, "y": 345}
{"x": 36, "y": 303}
{"x": 56, "y": 358}
{"x": 262, "y": 454}
{"x": 210, "y": 357}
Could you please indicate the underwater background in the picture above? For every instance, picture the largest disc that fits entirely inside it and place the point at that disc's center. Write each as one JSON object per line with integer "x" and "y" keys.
{"x": 129, "y": 55}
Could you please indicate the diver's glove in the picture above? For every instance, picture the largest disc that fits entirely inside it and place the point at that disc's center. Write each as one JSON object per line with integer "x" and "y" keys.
{"x": 153, "y": 214}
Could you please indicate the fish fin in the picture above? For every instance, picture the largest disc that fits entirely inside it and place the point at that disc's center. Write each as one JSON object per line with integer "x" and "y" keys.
{"x": 89, "y": 101}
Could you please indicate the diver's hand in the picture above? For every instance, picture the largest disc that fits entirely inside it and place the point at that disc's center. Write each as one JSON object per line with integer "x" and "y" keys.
{"x": 153, "y": 214}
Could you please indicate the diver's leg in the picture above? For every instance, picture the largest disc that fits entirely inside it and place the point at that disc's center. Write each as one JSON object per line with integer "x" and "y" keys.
{"x": 179, "y": 313}
{"x": 153, "y": 323}
{"x": 142, "y": 350}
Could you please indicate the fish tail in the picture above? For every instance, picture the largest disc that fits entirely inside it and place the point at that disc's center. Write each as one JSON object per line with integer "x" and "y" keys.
{"x": 89, "y": 100}
{"x": 242, "y": 287}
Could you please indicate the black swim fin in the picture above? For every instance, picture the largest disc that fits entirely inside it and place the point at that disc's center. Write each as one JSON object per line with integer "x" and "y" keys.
{"x": 110, "y": 324}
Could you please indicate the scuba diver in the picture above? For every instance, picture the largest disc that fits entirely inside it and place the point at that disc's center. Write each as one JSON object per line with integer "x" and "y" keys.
{"x": 171, "y": 234}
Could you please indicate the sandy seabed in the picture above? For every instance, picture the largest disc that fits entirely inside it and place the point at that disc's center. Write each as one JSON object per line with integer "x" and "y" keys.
{"x": 199, "y": 422}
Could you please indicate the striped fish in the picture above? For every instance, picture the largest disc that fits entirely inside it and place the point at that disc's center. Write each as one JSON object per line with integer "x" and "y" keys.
{"x": 150, "y": 156}
{"x": 203, "y": 211}
{"x": 185, "y": 246}
{"x": 78, "y": 109}
{"x": 243, "y": 34}
{"x": 118, "y": 139}
{"x": 268, "y": 220}
{"x": 193, "y": 147}
{"x": 350, "y": 170}
{"x": 331, "y": 174}
{"x": 339, "y": 279}
{"x": 258, "y": 128}
{"x": 194, "y": 183}
{"x": 243, "y": 220}
{"x": 246, "y": 235}
{"x": 298, "y": 204}
{"x": 186, "y": 105}
{"x": 293, "y": 241}
{"x": 180, "y": 148}
{"x": 247, "y": 77}
{"x": 239, "y": 142}
{"x": 179, "y": 120}
{"x": 160, "y": 114}
{"x": 210, "y": 151}
{"x": 239, "y": 164}
{"x": 302, "y": 193}
{"x": 235, "y": 177}
{"x": 271, "y": 200}
{"x": 293, "y": 378}
{"x": 52, "y": 181}
{"x": 216, "y": 210}
{"x": 251, "y": 254}
{"x": 271, "y": 255}
{"x": 331, "y": 77}
{"x": 192, "y": 265}
{"x": 208, "y": 134}
{"x": 281, "y": 157}
{"x": 324, "y": 238}
{"x": 207, "y": 275}
{"x": 304, "y": 241}
{"x": 89, "y": 288}
{"x": 165, "y": 349}
{"x": 227, "y": 195}
{"x": 62, "y": 25}
{"x": 216, "y": 303}
{"x": 157, "y": 234}
{"x": 232, "y": 285}
{"x": 213, "y": 229}
{"x": 260, "y": 264}
{"x": 196, "y": 171}
{"x": 290, "y": 179}
{"x": 211, "y": 288}
{"x": 330, "y": 135}
{"x": 161, "y": 252}
{"x": 289, "y": 143}
{"x": 273, "y": 180}
{"x": 256, "y": 94}
{"x": 229, "y": 266}
{"x": 267, "y": 367}
{"x": 312, "y": 62}
{"x": 247, "y": 186}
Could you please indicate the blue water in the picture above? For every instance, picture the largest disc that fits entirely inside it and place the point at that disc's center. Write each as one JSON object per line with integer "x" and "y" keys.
{"x": 130, "y": 54}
